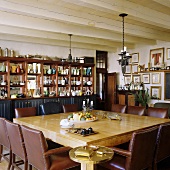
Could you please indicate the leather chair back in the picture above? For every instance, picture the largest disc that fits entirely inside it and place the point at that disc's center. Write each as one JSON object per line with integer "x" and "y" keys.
{"x": 137, "y": 110}
{"x": 163, "y": 105}
{"x": 139, "y": 154}
{"x": 118, "y": 108}
{"x": 36, "y": 145}
{"x": 70, "y": 108}
{"x": 25, "y": 112}
{"x": 4, "y": 141}
{"x": 51, "y": 108}
{"x": 146, "y": 139}
{"x": 40, "y": 156}
{"x": 163, "y": 143}
{"x": 17, "y": 143}
{"x": 158, "y": 112}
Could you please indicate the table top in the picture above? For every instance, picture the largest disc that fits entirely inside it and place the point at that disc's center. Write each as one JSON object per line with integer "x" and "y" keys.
{"x": 110, "y": 132}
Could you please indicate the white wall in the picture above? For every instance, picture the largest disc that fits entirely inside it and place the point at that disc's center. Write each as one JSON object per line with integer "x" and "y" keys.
{"x": 144, "y": 53}
{"x": 21, "y": 48}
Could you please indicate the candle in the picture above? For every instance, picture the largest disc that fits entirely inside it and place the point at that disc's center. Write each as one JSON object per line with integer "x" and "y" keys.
{"x": 91, "y": 103}
{"x": 125, "y": 48}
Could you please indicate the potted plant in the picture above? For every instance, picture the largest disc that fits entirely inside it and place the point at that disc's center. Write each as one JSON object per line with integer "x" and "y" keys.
{"x": 143, "y": 97}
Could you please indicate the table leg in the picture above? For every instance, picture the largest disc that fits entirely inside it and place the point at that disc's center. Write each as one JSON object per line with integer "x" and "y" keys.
{"x": 87, "y": 166}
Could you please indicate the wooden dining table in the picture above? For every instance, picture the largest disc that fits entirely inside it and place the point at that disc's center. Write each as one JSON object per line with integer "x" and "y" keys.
{"x": 109, "y": 132}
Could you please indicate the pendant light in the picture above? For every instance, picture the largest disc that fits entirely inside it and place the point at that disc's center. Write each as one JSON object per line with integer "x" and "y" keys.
{"x": 70, "y": 56}
{"x": 124, "y": 55}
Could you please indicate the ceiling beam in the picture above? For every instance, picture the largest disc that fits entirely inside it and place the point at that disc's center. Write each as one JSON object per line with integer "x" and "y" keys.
{"x": 84, "y": 19}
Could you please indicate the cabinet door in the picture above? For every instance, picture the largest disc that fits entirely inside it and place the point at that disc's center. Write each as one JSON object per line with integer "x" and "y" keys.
{"x": 5, "y": 109}
{"x": 20, "y": 103}
{"x": 35, "y": 103}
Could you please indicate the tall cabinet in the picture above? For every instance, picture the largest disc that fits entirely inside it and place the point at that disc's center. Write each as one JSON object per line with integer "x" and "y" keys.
{"x": 45, "y": 78}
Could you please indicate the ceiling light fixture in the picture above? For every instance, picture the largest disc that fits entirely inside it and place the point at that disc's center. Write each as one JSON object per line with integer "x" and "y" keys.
{"x": 124, "y": 55}
{"x": 70, "y": 56}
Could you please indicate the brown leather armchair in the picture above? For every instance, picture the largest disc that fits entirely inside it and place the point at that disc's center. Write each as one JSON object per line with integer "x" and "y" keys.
{"x": 118, "y": 108}
{"x": 70, "y": 108}
{"x": 25, "y": 112}
{"x": 163, "y": 147}
{"x": 4, "y": 141}
{"x": 136, "y": 110}
{"x": 138, "y": 156}
{"x": 17, "y": 145}
{"x": 158, "y": 112}
{"x": 40, "y": 157}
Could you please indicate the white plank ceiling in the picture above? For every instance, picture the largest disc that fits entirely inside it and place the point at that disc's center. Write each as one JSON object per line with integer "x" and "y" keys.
{"x": 95, "y": 24}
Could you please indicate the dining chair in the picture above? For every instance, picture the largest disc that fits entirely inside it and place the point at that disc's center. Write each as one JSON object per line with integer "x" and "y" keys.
{"x": 25, "y": 112}
{"x": 40, "y": 157}
{"x": 51, "y": 108}
{"x": 17, "y": 145}
{"x": 118, "y": 108}
{"x": 163, "y": 105}
{"x": 157, "y": 112}
{"x": 4, "y": 142}
{"x": 162, "y": 151}
{"x": 136, "y": 110}
{"x": 70, "y": 108}
{"x": 139, "y": 154}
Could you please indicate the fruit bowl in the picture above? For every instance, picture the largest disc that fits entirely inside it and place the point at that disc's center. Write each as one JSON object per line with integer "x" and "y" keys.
{"x": 82, "y": 117}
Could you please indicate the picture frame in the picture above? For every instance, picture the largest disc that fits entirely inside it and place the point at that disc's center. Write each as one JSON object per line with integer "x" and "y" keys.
{"x": 135, "y": 58}
{"x": 168, "y": 53}
{"x": 136, "y": 79}
{"x": 156, "y": 57}
{"x": 135, "y": 68}
{"x": 128, "y": 69}
{"x": 156, "y": 78}
{"x": 146, "y": 78}
{"x": 156, "y": 92}
{"x": 127, "y": 79}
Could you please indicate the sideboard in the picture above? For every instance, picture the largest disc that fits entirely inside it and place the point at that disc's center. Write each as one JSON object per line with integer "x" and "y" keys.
{"x": 7, "y": 106}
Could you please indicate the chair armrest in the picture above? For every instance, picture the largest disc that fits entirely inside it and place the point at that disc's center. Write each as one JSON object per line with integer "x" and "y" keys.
{"x": 57, "y": 151}
{"x": 121, "y": 151}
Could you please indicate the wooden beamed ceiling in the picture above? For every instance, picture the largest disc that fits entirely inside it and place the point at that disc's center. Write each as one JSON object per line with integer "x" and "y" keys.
{"x": 95, "y": 24}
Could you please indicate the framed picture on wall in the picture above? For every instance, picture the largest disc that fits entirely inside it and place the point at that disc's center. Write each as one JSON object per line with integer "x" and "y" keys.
{"x": 127, "y": 79}
{"x": 135, "y": 57}
{"x": 128, "y": 69}
{"x": 168, "y": 53}
{"x": 146, "y": 78}
{"x": 136, "y": 79}
{"x": 156, "y": 92}
{"x": 156, "y": 57}
{"x": 134, "y": 68}
{"x": 156, "y": 78}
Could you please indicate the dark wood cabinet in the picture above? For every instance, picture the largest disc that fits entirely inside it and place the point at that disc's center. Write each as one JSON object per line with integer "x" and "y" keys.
{"x": 5, "y": 109}
{"x": 28, "y": 103}
{"x": 127, "y": 97}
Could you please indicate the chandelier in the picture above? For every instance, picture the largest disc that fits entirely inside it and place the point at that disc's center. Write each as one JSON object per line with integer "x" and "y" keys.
{"x": 124, "y": 55}
{"x": 70, "y": 56}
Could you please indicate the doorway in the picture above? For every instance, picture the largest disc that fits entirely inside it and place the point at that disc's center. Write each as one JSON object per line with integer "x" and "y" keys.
{"x": 101, "y": 73}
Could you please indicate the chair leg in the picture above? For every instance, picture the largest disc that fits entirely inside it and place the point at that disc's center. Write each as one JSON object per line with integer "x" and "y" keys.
{"x": 30, "y": 167}
{"x": 26, "y": 165}
{"x": 10, "y": 160}
{"x": 13, "y": 161}
{"x": 1, "y": 150}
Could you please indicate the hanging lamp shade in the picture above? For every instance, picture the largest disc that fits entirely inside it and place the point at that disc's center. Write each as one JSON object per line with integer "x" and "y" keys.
{"x": 70, "y": 56}
{"x": 124, "y": 55}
